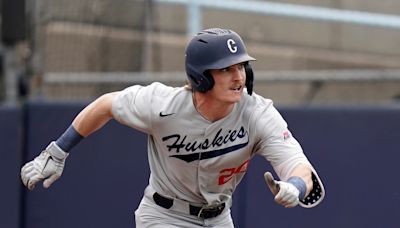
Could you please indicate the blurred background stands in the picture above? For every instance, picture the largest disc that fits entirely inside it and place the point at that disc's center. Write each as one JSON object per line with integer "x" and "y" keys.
{"x": 78, "y": 49}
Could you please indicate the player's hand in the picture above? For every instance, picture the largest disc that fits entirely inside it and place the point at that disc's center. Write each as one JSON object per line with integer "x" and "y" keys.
{"x": 285, "y": 193}
{"x": 46, "y": 167}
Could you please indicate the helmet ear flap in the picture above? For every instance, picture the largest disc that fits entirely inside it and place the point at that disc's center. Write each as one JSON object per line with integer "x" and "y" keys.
{"x": 209, "y": 80}
{"x": 249, "y": 78}
{"x": 203, "y": 82}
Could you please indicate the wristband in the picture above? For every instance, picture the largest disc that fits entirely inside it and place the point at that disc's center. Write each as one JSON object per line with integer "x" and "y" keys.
{"x": 299, "y": 184}
{"x": 69, "y": 139}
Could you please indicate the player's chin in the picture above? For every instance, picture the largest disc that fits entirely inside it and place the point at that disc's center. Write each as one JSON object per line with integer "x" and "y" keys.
{"x": 235, "y": 95}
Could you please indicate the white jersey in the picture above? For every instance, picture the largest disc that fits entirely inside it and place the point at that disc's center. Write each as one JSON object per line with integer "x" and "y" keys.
{"x": 199, "y": 161}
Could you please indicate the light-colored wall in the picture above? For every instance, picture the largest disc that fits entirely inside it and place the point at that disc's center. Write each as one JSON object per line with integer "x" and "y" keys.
{"x": 107, "y": 35}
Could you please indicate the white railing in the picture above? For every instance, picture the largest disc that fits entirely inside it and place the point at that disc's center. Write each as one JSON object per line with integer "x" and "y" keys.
{"x": 283, "y": 9}
{"x": 260, "y": 76}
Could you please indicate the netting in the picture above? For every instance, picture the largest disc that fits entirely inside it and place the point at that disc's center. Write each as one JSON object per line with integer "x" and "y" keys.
{"x": 87, "y": 35}
{"x": 87, "y": 38}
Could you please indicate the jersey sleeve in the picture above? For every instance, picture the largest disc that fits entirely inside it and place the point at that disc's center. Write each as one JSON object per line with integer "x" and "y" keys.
{"x": 276, "y": 143}
{"x": 133, "y": 107}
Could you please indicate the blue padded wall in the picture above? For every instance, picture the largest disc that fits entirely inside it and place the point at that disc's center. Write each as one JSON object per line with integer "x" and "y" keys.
{"x": 355, "y": 150}
{"x": 356, "y": 153}
{"x": 10, "y": 162}
{"x": 103, "y": 180}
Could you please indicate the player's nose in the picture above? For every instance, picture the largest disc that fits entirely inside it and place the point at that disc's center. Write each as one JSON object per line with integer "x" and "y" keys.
{"x": 237, "y": 73}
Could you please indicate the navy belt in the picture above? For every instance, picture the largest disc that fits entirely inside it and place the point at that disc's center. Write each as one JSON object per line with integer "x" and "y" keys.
{"x": 201, "y": 212}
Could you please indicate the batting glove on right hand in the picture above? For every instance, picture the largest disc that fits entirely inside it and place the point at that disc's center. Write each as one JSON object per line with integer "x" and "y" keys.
{"x": 285, "y": 193}
{"x": 48, "y": 166}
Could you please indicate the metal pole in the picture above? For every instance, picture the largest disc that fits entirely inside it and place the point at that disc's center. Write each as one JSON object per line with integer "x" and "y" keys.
{"x": 195, "y": 19}
{"x": 147, "y": 55}
{"x": 298, "y": 11}
{"x": 10, "y": 74}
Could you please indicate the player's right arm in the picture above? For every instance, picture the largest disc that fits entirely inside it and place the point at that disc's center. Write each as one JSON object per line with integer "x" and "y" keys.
{"x": 129, "y": 106}
{"x": 49, "y": 165}
{"x": 95, "y": 115}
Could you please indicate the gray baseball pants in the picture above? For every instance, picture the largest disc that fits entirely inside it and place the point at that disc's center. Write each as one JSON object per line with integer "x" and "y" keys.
{"x": 151, "y": 215}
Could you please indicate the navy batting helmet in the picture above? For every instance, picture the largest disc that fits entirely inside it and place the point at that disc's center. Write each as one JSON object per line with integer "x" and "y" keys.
{"x": 215, "y": 49}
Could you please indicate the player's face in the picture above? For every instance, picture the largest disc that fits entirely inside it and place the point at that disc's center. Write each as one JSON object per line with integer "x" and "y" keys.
{"x": 229, "y": 83}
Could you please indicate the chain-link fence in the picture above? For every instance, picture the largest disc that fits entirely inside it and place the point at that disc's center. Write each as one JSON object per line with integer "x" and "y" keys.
{"x": 100, "y": 40}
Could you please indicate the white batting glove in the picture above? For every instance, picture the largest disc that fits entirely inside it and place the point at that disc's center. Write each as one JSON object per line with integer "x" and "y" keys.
{"x": 285, "y": 193}
{"x": 48, "y": 166}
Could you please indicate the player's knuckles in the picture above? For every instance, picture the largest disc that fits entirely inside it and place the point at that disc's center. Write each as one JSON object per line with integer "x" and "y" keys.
{"x": 286, "y": 201}
{"x": 35, "y": 178}
{"x": 282, "y": 195}
{"x": 25, "y": 175}
{"x": 30, "y": 179}
{"x": 29, "y": 175}
{"x": 280, "y": 200}
{"x": 27, "y": 167}
{"x": 34, "y": 173}
{"x": 27, "y": 170}
{"x": 286, "y": 198}
{"x": 292, "y": 204}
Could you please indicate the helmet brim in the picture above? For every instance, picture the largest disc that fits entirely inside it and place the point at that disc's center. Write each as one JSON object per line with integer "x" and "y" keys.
{"x": 229, "y": 61}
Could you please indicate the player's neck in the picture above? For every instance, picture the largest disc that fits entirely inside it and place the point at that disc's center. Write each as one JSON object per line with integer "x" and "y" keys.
{"x": 209, "y": 108}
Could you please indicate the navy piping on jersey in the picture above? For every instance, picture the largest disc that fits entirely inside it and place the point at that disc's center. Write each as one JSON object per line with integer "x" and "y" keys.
{"x": 210, "y": 154}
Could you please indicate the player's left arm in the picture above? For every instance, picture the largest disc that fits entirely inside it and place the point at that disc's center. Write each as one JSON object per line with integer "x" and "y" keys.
{"x": 305, "y": 173}
{"x": 298, "y": 182}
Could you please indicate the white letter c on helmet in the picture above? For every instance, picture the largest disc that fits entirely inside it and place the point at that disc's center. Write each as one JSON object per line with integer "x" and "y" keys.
{"x": 231, "y": 45}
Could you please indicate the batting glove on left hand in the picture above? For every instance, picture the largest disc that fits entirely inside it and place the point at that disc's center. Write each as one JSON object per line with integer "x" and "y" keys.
{"x": 285, "y": 193}
{"x": 48, "y": 166}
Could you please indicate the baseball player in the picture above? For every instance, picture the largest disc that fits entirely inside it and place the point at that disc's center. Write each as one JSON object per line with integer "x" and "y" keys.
{"x": 201, "y": 138}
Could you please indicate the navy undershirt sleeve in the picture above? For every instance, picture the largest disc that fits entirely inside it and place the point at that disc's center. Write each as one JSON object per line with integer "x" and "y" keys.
{"x": 69, "y": 139}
